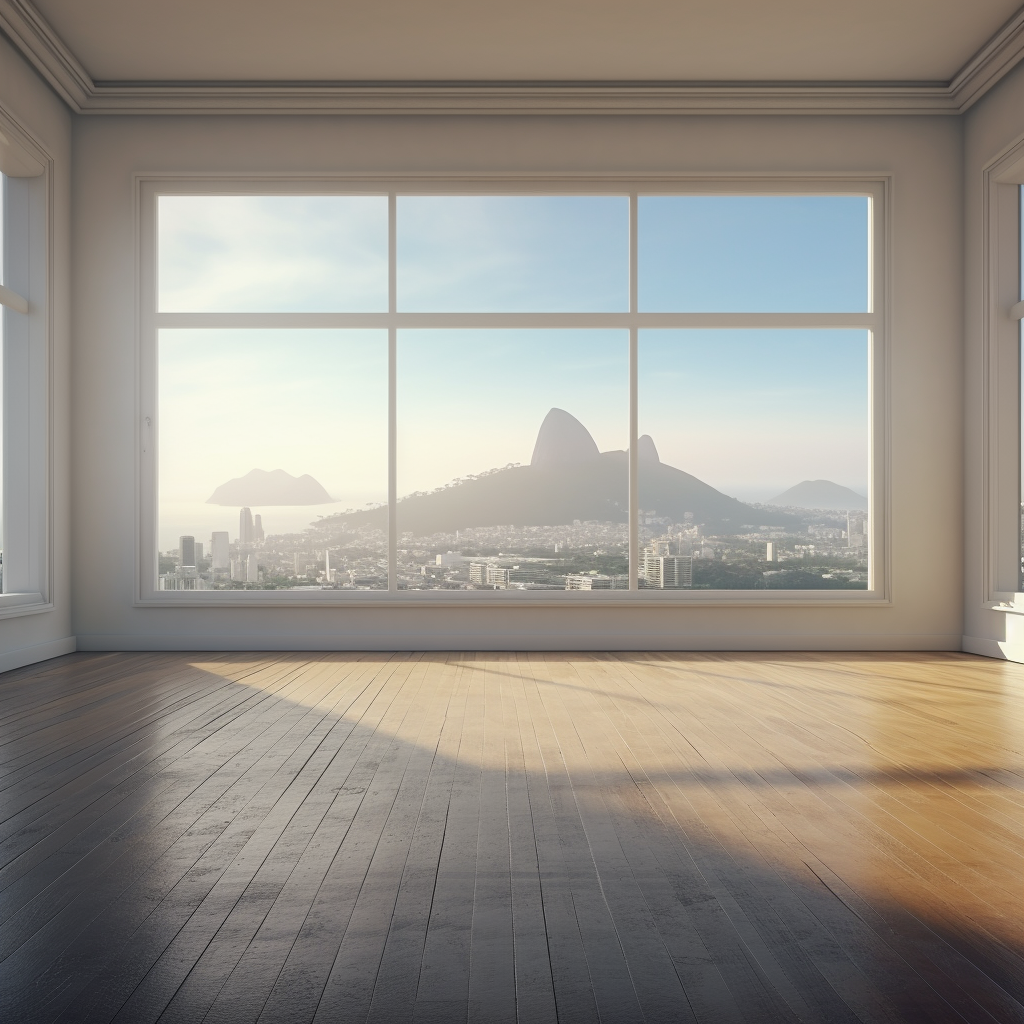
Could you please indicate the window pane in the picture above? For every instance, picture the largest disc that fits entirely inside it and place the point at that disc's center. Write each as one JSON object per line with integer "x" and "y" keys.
{"x": 754, "y": 462}
{"x": 753, "y": 254}
{"x": 265, "y": 437}
{"x": 507, "y": 254}
{"x": 273, "y": 253}
{"x": 1020, "y": 364}
{"x": 531, "y": 430}
{"x": 3, "y": 317}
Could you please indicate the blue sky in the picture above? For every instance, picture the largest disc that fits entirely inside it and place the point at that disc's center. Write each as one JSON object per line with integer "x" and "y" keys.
{"x": 749, "y": 412}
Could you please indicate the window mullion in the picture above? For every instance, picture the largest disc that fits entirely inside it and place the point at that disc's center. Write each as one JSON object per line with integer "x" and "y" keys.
{"x": 634, "y": 501}
{"x": 392, "y": 396}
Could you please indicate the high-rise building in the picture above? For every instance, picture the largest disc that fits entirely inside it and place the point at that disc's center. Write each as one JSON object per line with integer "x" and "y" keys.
{"x": 246, "y": 530}
{"x": 667, "y": 572}
{"x": 252, "y": 569}
{"x": 327, "y": 563}
{"x": 857, "y": 529}
{"x": 219, "y": 550}
{"x": 187, "y": 551}
{"x": 257, "y": 530}
{"x": 199, "y": 552}
{"x": 772, "y": 552}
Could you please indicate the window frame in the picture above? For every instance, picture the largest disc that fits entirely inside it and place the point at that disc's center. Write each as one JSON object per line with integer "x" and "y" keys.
{"x": 1001, "y": 370}
{"x": 27, "y": 381}
{"x": 149, "y": 187}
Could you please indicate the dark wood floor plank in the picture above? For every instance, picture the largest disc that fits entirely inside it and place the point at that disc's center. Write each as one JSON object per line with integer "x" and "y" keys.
{"x": 150, "y": 827}
{"x": 492, "y": 974}
{"x": 572, "y": 982}
{"x": 227, "y": 825}
{"x": 223, "y": 811}
{"x": 352, "y": 772}
{"x": 394, "y": 991}
{"x": 442, "y": 993}
{"x": 177, "y": 902}
{"x": 613, "y": 985}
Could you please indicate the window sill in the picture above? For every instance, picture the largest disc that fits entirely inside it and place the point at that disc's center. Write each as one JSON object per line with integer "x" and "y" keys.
{"x": 12, "y": 605}
{"x": 505, "y": 599}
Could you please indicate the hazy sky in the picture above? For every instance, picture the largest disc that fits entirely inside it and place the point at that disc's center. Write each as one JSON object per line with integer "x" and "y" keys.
{"x": 303, "y": 401}
{"x": 749, "y": 412}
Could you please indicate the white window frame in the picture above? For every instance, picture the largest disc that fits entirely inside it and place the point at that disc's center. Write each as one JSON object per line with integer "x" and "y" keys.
{"x": 27, "y": 406}
{"x": 1001, "y": 369}
{"x": 875, "y": 321}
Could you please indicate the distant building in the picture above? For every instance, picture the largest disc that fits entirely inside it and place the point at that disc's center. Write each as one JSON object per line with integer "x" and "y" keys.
{"x": 199, "y": 552}
{"x": 772, "y": 553}
{"x": 668, "y": 572}
{"x": 246, "y": 530}
{"x": 857, "y": 529}
{"x": 449, "y": 558}
{"x": 252, "y": 569}
{"x": 497, "y": 576}
{"x": 257, "y": 530}
{"x": 586, "y": 581}
{"x": 187, "y": 551}
{"x": 219, "y": 550}
{"x": 183, "y": 581}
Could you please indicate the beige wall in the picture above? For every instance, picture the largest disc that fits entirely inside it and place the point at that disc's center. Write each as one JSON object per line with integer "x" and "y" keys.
{"x": 33, "y": 106}
{"x": 923, "y": 158}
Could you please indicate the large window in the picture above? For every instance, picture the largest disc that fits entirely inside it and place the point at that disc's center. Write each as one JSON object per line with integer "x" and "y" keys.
{"x": 629, "y": 394}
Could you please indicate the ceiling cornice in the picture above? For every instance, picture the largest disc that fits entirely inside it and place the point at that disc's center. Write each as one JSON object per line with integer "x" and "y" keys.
{"x": 29, "y": 31}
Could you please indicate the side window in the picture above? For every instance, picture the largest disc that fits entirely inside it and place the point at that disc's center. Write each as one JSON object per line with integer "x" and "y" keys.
{"x": 24, "y": 378}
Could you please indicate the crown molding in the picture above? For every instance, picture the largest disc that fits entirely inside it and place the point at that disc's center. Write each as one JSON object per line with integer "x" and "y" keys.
{"x": 989, "y": 65}
{"x": 29, "y": 31}
{"x": 515, "y": 98}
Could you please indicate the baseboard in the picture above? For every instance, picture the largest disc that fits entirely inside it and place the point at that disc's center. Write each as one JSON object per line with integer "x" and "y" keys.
{"x": 1001, "y": 649}
{"x": 435, "y": 641}
{"x": 37, "y": 652}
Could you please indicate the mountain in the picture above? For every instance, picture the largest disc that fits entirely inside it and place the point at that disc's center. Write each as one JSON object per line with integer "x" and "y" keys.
{"x": 567, "y": 479}
{"x": 258, "y": 487}
{"x": 562, "y": 441}
{"x": 820, "y": 494}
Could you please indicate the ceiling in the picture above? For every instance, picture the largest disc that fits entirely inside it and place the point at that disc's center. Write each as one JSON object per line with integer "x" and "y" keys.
{"x": 926, "y": 41}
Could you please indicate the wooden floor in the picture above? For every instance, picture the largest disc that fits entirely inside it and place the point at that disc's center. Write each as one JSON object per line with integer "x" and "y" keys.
{"x": 486, "y": 837}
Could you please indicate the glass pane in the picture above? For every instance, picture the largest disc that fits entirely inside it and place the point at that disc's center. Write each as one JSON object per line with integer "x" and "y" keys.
{"x": 753, "y": 468}
{"x": 273, "y": 253}
{"x": 3, "y": 317}
{"x": 1020, "y": 364}
{"x": 511, "y": 254}
{"x": 269, "y": 442}
{"x": 512, "y": 460}
{"x": 753, "y": 254}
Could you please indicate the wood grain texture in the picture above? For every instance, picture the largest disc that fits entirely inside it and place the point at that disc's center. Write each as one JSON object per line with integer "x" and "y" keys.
{"x": 721, "y": 838}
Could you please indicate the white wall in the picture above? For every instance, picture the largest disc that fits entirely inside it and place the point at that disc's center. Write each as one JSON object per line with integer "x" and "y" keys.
{"x": 33, "y": 106}
{"x": 991, "y": 129}
{"x": 923, "y": 156}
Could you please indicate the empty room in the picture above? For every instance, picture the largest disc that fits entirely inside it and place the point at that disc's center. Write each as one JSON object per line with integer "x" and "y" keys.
{"x": 512, "y": 512}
